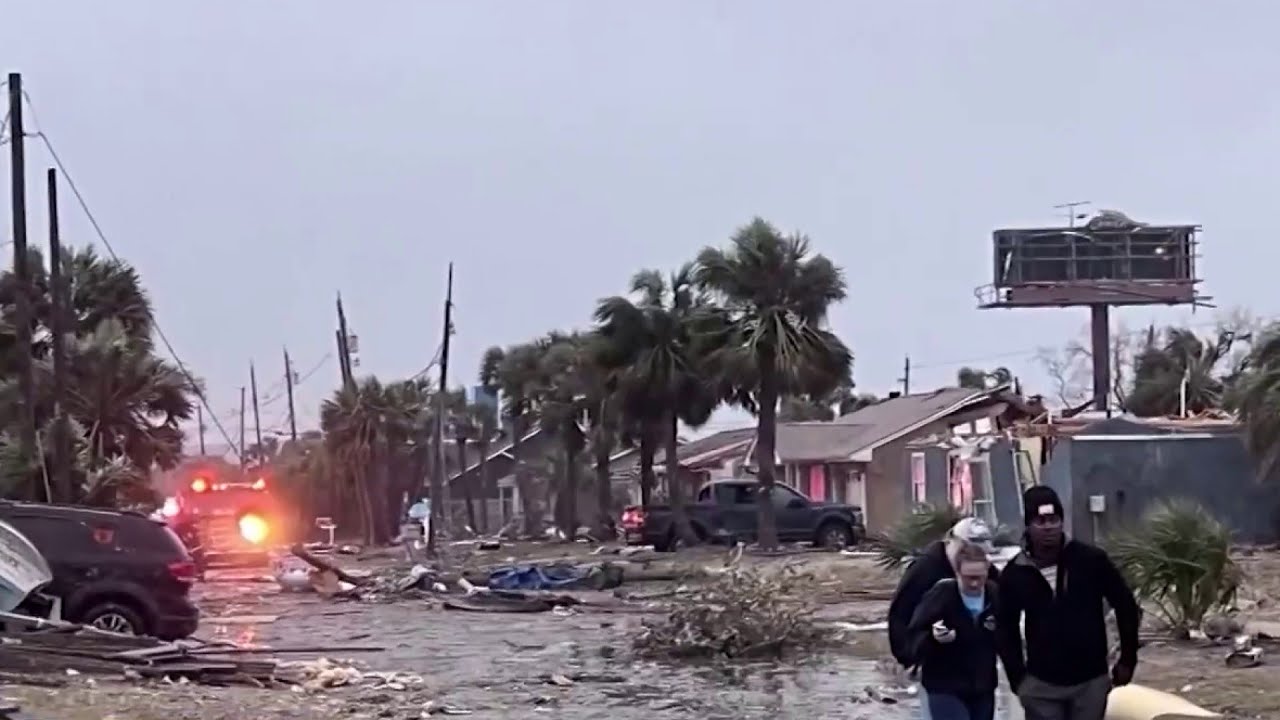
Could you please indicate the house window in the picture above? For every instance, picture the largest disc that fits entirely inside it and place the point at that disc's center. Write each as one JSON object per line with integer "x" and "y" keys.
{"x": 507, "y": 503}
{"x": 982, "y": 495}
{"x": 960, "y": 487}
{"x": 918, "y": 488}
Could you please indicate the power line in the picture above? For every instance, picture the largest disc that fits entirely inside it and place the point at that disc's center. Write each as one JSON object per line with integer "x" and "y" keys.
{"x": 97, "y": 229}
{"x": 1039, "y": 349}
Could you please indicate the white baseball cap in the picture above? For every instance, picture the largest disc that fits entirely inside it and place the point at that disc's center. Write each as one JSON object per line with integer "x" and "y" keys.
{"x": 973, "y": 530}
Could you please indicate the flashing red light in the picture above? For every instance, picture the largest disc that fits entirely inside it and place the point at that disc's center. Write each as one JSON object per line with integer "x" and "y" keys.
{"x": 199, "y": 485}
{"x": 260, "y": 484}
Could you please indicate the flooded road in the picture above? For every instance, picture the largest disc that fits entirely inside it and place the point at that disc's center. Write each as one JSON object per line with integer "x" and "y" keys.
{"x": 577, "y": 666}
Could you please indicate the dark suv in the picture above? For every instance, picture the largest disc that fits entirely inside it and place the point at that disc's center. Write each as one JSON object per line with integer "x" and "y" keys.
{"x": 118, "y": 571}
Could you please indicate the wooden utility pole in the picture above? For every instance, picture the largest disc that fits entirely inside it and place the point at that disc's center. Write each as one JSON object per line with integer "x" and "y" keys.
{"x": 906, "y": 375}
{"x": 242, "y": 428}
{"x": 257, "y": 419}
{"x": 21, "y": 271}
{"x": 440, "y": 478}
{"x": 288, "y": 384}
{"x": 344, "y": 347}
{"x": 58, "y": 327}
{"x": 200, "y": 425}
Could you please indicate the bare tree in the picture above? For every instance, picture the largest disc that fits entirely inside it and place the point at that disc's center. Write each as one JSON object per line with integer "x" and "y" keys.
{"x": 1070, "y": 366}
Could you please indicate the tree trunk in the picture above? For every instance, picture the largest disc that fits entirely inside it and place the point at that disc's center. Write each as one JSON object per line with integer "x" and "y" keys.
{"x": 607, "y": 530}
{"x": 766, "y": 442}
{"x": 528, "y": 503}
{"x": 485, "y": 490}
{"x": 569, "y": 493}
{"x": 467, "y": 492}
{"x": 675, "y": 482}
{"x": 646, "y": 465}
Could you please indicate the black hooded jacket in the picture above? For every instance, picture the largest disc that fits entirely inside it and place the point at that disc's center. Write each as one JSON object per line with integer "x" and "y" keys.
{"x": 1066, "y": 629}
{"x": 924, "y": 572}
{"x": 966, "y": 666}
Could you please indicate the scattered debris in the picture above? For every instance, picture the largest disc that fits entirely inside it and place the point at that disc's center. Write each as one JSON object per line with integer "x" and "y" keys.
{"x": 1244, "y": 654}
{"x": 745, "y": 612}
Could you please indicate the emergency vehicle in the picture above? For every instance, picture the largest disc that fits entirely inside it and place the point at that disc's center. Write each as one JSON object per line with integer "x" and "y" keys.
{"x": 225, "y": 521}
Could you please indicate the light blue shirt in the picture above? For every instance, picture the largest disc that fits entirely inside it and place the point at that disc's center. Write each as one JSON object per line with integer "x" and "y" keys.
{"x": 974, "y": 603}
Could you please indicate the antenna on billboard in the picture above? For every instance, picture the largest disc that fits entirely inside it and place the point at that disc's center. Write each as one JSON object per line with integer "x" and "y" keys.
{"x": 1069, "y": 209}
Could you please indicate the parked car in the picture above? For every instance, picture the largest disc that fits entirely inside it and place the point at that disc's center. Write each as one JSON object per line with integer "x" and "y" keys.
{"x": 117, "y": 571}
{"x": 727, "y": 511}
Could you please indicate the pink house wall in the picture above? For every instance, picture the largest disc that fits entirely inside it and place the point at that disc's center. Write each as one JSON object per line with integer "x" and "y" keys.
{"x": 817, "y": 483}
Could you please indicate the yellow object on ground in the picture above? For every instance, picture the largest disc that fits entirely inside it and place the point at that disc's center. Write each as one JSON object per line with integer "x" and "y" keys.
{"x": 1134, "y": 702}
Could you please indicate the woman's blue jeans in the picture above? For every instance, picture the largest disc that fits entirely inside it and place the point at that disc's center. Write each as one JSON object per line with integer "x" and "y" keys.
{"x": 955, "y": 707}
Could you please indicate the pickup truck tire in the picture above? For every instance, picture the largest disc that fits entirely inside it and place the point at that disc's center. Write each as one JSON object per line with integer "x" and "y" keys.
{"x": 835, "y": 534}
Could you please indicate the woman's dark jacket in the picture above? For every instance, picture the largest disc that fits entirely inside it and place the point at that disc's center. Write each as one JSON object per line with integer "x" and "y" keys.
{"x": 965, "y": 666}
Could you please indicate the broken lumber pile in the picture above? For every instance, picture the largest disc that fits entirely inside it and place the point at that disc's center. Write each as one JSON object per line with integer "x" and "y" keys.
{"x": 88, "y": 651}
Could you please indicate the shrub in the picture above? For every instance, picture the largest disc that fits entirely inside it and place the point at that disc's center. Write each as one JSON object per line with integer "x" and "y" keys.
{"x": 925, "y": 525}
{"x": 1178, "y": 560}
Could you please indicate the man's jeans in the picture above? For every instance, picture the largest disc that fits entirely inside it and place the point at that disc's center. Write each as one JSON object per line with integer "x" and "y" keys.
{"x": 924, "y": 704}
{"x": 1086, "y": 701}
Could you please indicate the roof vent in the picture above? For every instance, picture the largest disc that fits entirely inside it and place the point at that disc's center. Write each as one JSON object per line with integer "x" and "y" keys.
{"x": 894, "y": 394}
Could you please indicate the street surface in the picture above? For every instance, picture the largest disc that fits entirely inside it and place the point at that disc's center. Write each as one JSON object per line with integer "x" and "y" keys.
{"x": 576, "y": 665}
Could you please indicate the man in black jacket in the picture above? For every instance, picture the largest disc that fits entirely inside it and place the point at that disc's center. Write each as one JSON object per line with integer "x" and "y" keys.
{"x": 1059, "y": 585}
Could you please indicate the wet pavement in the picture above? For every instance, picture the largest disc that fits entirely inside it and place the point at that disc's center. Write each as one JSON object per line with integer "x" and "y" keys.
{"x": 577, "y": 666}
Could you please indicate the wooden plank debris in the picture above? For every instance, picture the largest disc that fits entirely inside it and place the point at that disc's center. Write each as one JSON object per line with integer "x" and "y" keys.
{"x": 67, "y": 647}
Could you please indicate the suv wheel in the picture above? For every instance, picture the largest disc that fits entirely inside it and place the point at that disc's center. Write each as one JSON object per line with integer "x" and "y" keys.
{"x": 116, "y": 618}
{"x": 835, "y": 536}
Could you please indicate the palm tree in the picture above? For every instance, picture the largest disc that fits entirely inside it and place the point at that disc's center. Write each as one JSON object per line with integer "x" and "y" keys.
{"x": 126, "y": 400}
{"x": 470, "y": 423}
{"x": 408, "y": 428}
{"x": 979, "y": 379}
{"x": 353, "y": 422}
{"x": 657, "y": 349}
{"x": 1255, "y": 397}
{"x": 1181, "y": 368}
{"x": 516, "y": 372}
{"x": 775, "y": 294}
{"x": 563, "y": 405}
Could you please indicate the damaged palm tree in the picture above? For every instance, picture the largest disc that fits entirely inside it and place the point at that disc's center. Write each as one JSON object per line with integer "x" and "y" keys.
{"x": 743, "y": 613}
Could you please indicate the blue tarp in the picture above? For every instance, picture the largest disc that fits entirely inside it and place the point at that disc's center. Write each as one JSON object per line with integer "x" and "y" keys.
{"x": 535, "y": 577}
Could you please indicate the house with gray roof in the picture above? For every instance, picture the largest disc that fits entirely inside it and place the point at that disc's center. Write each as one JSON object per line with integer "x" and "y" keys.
{"x": 863, "y": 457}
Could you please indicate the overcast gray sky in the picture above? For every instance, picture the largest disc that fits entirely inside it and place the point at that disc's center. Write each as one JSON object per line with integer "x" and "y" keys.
{"x": 252, "y": 158}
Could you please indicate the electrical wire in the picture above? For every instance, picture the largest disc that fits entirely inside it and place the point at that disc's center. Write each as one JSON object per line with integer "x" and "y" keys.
{"x": 97, "y": 229}
{"x": 1029, "y": 352}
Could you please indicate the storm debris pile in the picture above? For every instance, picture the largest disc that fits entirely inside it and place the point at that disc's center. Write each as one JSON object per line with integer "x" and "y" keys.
{"x": 744, "y": 612}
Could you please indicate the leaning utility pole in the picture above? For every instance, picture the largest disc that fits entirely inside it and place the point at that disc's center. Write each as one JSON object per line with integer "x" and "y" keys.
{"x": 242, "y": 428}
{"x": 58, "y": 328}
{"x": 257, "y": 419}
{"x": 344, "y": 347}
{"x": 21, "y": 271}
{"x": 288, "y": 384}
{"x": 200, "y": 425}
{"x": 440, "y": 478}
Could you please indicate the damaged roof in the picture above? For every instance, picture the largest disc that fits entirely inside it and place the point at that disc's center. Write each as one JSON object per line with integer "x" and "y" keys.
{"x": 872, "y": 426}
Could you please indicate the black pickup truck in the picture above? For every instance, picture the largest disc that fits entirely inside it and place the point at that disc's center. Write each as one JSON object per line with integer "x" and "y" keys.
{"x": 726, "y": 511}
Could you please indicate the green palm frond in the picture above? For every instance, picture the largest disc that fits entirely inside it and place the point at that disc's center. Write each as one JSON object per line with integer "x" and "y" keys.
{"x": 925, "y": 525}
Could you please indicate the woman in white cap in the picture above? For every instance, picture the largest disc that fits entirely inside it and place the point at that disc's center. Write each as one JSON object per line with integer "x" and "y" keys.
{"x": 936, "y": 562}
{"x": 953, "y": 637}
